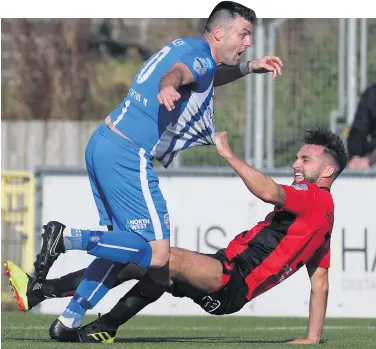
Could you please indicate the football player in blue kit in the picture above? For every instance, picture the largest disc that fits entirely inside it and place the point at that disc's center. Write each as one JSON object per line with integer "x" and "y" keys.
{"x": 169, "y": 107}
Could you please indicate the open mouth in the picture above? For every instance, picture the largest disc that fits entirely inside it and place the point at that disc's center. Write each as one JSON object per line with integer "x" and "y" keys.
{"x": 298, "y": 177}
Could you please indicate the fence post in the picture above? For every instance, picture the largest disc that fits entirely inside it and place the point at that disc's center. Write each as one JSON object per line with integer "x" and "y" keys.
{"x": 352, "y": 71}
{"x": 259, "y": 99}
{"x": 248, "y": 113}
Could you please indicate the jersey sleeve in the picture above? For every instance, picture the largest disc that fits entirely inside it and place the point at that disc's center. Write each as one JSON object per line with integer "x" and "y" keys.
{"x": 299, "y": 198}
{"x": 322, "y": 257}
{"x": 200, "y": 64}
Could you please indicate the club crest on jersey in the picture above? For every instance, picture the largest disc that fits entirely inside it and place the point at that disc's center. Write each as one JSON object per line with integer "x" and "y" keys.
{"x": 210, "y": 63}
{"x": 200, "y": 65}
{"x": 301, "y": 186}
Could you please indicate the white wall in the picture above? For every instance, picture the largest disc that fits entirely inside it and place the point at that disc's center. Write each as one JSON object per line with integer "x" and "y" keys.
{"x": 226, "y": 208}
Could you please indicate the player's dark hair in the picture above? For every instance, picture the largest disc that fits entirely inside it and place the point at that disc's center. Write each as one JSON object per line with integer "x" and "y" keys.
{"x": 332, "y": 143}
{"x": 226, "y": 10}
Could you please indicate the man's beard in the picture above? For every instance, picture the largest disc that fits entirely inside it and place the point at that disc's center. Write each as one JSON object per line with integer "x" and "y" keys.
{"x": 310, "y": 178}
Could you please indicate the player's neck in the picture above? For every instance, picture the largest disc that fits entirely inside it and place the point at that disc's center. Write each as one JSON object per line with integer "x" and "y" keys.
{"x": 324, "y": 183}
{"x": 213, "y": 49}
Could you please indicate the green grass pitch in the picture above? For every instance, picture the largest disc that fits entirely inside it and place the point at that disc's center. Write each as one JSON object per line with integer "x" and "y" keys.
{"x": 30, "y": 331}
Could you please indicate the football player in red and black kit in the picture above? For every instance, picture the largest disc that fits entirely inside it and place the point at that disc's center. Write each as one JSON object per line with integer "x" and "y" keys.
{"x": 296, "y": 233}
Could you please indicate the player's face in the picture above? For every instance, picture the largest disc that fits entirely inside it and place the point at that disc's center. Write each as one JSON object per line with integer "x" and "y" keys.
{"x": 237, "y": 38}
{"x": 309, "y": 164}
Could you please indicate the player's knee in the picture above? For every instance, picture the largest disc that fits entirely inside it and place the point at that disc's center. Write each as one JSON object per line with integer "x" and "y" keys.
{"x": 175, "y": 261}
{"x": 159, "y": 260}
{"x": 160, "y": 253}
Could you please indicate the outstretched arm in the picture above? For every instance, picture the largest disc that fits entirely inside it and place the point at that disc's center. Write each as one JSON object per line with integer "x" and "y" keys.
{"x": 264, "y": 187}
{"x": 317, "y": 304}
{"x": 226, "y": 74}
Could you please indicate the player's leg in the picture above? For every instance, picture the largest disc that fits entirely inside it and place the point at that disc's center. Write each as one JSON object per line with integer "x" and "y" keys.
{"x": 103, "y": 329}
{"x": 202, "y": 272}
{"x": 100, "y": 275}
{"x": 30, "y": 291}
{"x": 150, "y": 288}
{"x": 137, "y": 208}
{"x": 193, "y": 275}
{"x": 52, "y": 236}
{"x": 131, "y": 187}
{"x": 142, "y": 211}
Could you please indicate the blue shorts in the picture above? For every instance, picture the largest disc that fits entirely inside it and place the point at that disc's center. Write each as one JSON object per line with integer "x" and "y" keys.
{"x": 125, "y": 186}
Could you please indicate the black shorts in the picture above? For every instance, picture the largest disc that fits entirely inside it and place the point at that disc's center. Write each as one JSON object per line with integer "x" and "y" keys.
{"x": 228, "y": 299}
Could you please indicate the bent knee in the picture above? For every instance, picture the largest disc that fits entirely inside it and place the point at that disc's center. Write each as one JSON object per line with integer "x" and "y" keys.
{"x": 176, "y": 259}
{"x": 160, "y": 253}
{"x": 159, "y": 260}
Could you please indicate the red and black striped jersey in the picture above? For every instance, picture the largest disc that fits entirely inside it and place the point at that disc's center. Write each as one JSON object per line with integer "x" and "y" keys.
{"x": 287, "y": 239}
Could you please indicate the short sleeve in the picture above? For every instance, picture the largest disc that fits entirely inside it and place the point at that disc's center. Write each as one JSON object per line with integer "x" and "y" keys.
{"x": 200, "y": 64}
{"x": 299, "y": 198}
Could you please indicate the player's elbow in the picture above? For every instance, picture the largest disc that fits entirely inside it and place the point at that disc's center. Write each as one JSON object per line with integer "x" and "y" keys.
{"x": 272, "y": 194}
{"x": 182, "y": 73}
{"x": 268, "y": 197}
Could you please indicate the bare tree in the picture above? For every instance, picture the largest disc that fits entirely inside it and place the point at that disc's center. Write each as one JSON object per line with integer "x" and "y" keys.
{"x": 51, "y": 72}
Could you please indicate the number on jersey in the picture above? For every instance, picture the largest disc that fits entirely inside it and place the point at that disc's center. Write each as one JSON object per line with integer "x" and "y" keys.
{"x": 123, "y": 111}
{"x": 149, "y": 67}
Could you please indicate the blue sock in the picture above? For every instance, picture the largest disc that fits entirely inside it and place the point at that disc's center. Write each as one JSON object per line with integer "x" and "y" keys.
{"x": 73, "y": 314}
{"x": 80, "y": 239}
{"x": 73, "y": 242}
{"x": 118, "y": 246}
{"x": 113, "y": 246}
{"x": 99, "y": 278}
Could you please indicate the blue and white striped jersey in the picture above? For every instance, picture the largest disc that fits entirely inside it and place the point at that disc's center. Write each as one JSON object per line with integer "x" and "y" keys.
{"x": 160, "y": 132}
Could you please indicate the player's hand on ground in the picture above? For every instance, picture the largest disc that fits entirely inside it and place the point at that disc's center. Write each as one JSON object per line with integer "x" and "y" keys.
{"x": 168, "y": 96}
{"x": 221, "y": 142}
{"x": 305, "y": 341}
{"x": 267, "y": 64}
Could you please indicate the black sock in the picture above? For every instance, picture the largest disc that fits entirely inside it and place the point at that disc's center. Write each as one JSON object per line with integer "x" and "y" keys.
{"x": 64, "y": 286}
{"x": 128, "y": 306}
